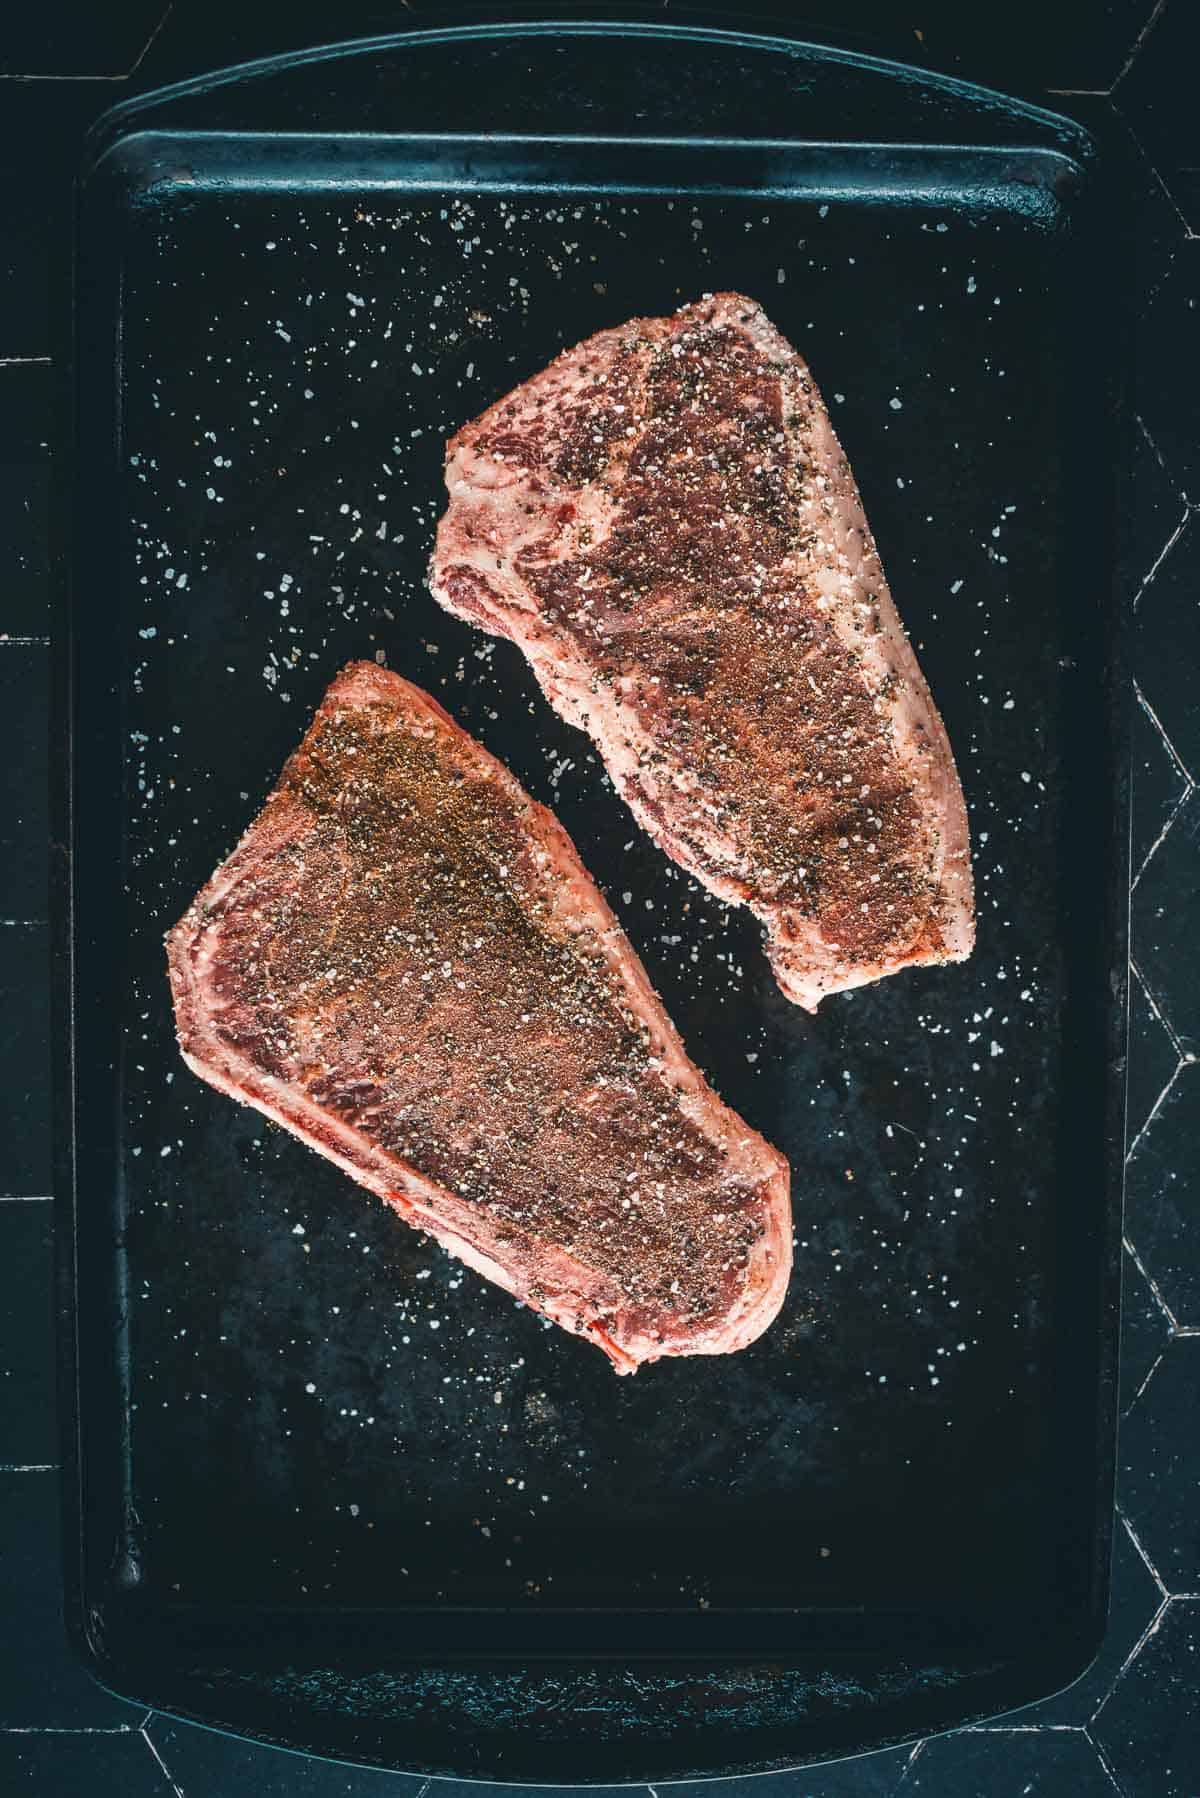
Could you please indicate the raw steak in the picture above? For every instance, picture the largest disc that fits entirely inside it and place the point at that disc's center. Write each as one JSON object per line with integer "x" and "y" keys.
{"x": 665, "y": 523}
{"x": 405, "y": 963}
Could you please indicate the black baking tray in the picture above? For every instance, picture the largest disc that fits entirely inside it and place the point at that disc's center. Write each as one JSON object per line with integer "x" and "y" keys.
{"x": 323, "y": 1488}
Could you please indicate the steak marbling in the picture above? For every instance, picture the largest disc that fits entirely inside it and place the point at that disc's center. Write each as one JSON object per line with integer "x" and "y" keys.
{"x": 665, "y": 522}
{"x": 405, "y": 963}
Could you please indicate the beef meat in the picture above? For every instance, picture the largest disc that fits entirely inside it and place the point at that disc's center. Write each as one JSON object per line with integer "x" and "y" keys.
{"x": 665, "y": 523}
{"x": 405, "y": 963}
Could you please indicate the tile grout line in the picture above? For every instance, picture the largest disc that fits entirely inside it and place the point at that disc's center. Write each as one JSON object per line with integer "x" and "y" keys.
{"x": 1154, "y": 1111}
{"x": 1185, "y": 1055}
{"x": 1168, "y": 196}
{"x": 1161, "y": 728}
{"x": 1152, "y": 1283}
{"x": 1163, "y": 553}
{"x": 1156, "y": 452}
{"x": 1138, "y": 41}
{"x": 149, "y": 43}
{"x": 31, "y": 75}
{"x": 910, "y": 1763}
{"x": 1102, "y": 1758}
{"x": 1022, "y": 1729}
{"x": 1151, "y": 1569}
{"x": 1151, "y": 1629}
{"x": 121, "y": 75}
{"x": 1137, "y": 1395}
{"x": 65, "y": 1729}
{"x": 166, "y": 1771}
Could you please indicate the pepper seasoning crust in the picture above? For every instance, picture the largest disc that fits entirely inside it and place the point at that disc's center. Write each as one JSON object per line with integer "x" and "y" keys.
{"x": 710, "y": 605}
{"x": 399, "y": 956}
{"x": 690, "y": 610}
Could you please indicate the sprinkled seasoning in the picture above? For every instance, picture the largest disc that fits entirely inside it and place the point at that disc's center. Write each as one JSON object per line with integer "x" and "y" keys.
{"x": 399, "y": 943}
{"x": 674, "y": 505}
{"x": 937, "y": 1239}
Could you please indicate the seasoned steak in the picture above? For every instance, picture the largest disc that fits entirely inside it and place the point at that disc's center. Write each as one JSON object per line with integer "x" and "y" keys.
{"x": 405, "y": 963}
{"x": 665, "y": 523}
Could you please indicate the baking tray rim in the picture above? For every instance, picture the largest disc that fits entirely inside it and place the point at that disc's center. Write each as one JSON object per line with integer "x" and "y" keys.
{"x": 85, "y": 1626}
{"x": 637, "y": 21}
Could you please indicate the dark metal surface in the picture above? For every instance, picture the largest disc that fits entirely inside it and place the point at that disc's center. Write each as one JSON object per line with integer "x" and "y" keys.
{"x": 319, "y": 1465}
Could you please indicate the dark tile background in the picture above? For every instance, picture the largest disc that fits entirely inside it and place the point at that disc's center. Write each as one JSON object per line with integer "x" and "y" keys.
{"x": 1131, "y": 1726}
